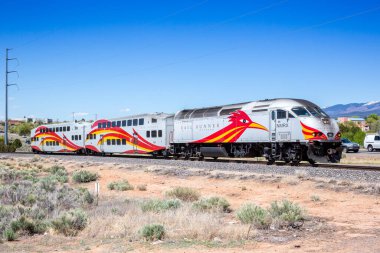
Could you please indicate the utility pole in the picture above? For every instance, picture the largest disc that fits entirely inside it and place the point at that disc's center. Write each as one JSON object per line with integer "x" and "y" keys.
{"x": 6, "y": 93}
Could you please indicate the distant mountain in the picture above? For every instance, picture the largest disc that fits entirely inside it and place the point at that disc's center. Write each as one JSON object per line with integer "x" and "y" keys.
{"x": 353, "y": 109}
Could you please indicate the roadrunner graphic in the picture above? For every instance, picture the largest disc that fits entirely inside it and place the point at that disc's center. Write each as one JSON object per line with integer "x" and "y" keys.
{"x": 240, "y": 122}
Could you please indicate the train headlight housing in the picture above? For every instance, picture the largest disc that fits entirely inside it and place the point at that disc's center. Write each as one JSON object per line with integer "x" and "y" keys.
{"x": 338, "y": 135}
{"x": 317, "y": 134}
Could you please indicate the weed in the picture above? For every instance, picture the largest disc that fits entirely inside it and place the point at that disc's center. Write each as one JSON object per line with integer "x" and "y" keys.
{"x": 71, "y": 222}
{"x": 286, "y": 213}
{"x": 255, "y": 215}
{"x": 84, "y": 176}
{"x": 9, "y": 235}
{"x": 153, "y": 232}
{"x": 213, "y": 203}
{"x": 315, "y": 198}
{"x": 157, "y": 205}
{"x": 120, "y": 186}
{"x": 184, "y": 194}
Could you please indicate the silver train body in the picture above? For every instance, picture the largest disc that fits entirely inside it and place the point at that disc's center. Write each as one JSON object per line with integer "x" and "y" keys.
{"x": 289, "y": 130}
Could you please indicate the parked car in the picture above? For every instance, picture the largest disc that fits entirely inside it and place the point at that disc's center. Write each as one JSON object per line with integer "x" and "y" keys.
{"x": 372, "y": 142}
{"x": 350, "y": 146}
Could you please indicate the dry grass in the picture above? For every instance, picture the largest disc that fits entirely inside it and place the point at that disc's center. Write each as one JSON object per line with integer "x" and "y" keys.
{"x": 182, "y": 223}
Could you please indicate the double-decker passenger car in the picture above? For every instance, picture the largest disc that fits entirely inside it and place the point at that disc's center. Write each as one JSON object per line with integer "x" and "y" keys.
{"x": 137, "y": 134}
{"x": 60, "y": 137}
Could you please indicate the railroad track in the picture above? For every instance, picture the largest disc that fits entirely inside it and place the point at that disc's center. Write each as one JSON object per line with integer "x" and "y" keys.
{"x": 237, "y": 160}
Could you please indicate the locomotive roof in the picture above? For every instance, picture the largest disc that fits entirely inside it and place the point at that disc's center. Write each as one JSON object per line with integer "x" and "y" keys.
{"x": 253, "y": 105}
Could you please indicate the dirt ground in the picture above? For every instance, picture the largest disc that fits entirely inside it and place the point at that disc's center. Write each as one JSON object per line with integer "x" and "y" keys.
{"x": 350, "y": 222}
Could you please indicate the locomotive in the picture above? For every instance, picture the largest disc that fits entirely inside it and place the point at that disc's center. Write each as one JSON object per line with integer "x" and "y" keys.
{"x": 289, "y": 130}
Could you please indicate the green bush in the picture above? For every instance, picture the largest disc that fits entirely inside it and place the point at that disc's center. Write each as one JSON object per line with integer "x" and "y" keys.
{"x": 60, "y": 173}
{"x": 153, "y": 232}
{"x": 86, "y": 195}
{"x": 49, "y": 183}
{"x": 286, "y": 212}
{"x": 213, "y": 203}
{"x": 184, "y": 194}
{"x": 16, "y": 143}
{"x": 120, "y": 186}
{"x": 9, "y": 235}
{"x": 157, "y": 205}
{"x": 84, "y": 176}
{"x": 70, "y": 223}
{"x": 29, "y": 226}
{"x": 255, "y": 215}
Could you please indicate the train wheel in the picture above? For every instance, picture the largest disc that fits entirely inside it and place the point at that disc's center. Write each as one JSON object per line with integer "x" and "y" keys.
{"x": 312, "y": 162}
{"x": 270, "y": 161}
{"x": 215, "y": 158}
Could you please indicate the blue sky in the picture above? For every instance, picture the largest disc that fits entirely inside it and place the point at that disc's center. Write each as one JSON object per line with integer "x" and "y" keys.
{"x": 114, "y": 58}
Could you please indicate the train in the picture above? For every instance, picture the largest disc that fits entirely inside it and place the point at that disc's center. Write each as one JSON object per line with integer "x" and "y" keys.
{"x": 282, "y": 129}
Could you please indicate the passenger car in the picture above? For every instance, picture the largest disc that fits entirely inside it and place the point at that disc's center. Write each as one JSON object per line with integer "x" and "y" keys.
{"x": 348, "y": 145}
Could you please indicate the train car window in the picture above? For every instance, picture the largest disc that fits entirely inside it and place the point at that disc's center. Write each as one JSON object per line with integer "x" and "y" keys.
{"x": 108, "y": 142}
{"x": 290, "y": 115}
{"x": 141, "y": 122}
{"x": 72, "y": 137}
{"x": 64, "y": 129}
{"x": 108, "y": 124}
{"x": 281, "y": 114}
{"x": 57, "y": 143}
{"x": 47, "y": 143}
{"x": 154, "y": 134}
{"x": 198, "y": 113}
{"x": 76, "y": 137}
{"x": 119, "y": 123}
{"x": 94, "y": 136}
{"x": 212, "y": 112}
{"x": 300, "y": 111}
{"x": 60, "y": 129}
{"x": 124, "y": 123}
{"x": 159, "y": 133}
{"x": 118, "y": 142}
{"x": 104, "y": 124}
{"x": 80, "y": 137}
{"x": 99, "y": 125}
{"x": 124, "y": 142}
{"x": 129, "y": 123}
{"x": 113, "y": 141}
{"x": 135, "y": 121}
{"x": 228, "y": 111}
{"x": 148, "y": 134}
{"x": 154, "y": 120}
{"x": 113, "y": 123}
{"x": 68, "y": 129}
{"x": 273, "y": 115}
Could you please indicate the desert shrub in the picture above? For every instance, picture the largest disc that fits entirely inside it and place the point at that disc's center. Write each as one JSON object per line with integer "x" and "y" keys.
{"x": 183, "y": 193}
{"x": 84, "y": 176}
{"x": 141, "y": 187}
{"x": 255, "y": 215}
{"x": 28, "y": 201}
{"x": 120, "y": 186}
{"x": 9, "y": 235}
{"x": 157, "y": 205}
{"x": 17, "y": 143}
{"x": 153, "y": 232}
{"x": 213, "y": 203}
{"x": 60, "y": 173}
{"x": 315, "y": 198}
{"x": 286, "y": 212}
{"x": 70, "y": 223}
{"x": 86, "y": 195}
{"x": 29, "y": 226}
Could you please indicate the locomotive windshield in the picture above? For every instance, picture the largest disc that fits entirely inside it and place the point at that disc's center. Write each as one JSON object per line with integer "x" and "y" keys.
{"x": 301, "y": 111}
{"x": 317, "y": 112}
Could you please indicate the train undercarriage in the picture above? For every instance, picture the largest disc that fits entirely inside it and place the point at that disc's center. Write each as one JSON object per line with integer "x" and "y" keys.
{"x": 288, "y": 152}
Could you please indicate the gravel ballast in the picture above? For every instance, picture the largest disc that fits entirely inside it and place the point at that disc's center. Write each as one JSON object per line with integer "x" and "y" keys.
{"x": 338, "y": 174}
